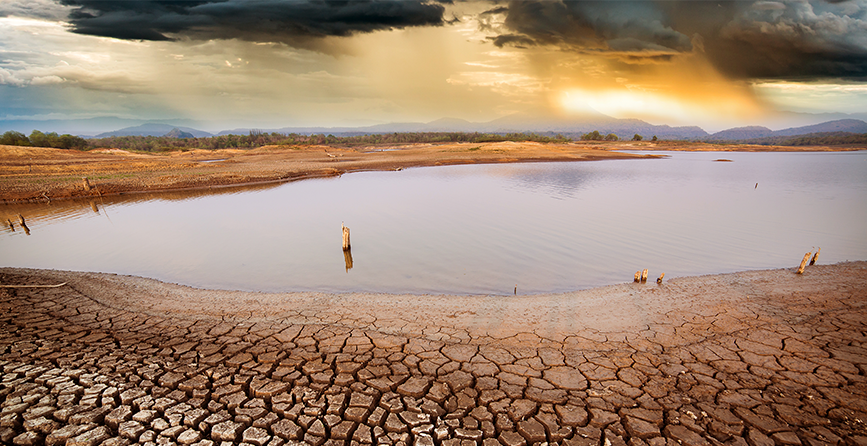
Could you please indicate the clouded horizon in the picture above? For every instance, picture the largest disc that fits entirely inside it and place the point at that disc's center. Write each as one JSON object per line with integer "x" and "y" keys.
{"x": 278, "y": 63}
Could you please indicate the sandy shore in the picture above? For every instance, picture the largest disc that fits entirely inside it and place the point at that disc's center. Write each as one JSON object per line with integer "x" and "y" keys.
{"x": 751, "y": 358}
{"x": 41, "y": 174}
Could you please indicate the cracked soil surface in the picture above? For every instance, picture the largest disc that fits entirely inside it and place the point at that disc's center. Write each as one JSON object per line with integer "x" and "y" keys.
{"x": 755, "y": 358}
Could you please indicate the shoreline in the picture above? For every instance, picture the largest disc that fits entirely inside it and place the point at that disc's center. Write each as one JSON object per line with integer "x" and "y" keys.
{"x": 636, "y": 305}
{"x": 40, "y": 174}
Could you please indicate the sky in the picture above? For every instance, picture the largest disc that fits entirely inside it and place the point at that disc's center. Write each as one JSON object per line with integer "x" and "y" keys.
{"x": 279, "y": 63}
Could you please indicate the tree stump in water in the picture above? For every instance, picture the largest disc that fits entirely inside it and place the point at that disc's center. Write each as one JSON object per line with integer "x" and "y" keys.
{"x": 804, "y": 263}
{"x": 346, "y": 245}
{"x": 815, "y": 257}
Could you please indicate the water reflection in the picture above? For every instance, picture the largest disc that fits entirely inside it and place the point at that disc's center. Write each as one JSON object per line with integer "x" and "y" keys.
{"x": 347, "y": 258}
{"x": 60, "y": 210}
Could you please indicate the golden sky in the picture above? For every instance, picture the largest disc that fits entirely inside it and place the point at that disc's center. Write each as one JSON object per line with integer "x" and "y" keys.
{"x": 277, "y": 63}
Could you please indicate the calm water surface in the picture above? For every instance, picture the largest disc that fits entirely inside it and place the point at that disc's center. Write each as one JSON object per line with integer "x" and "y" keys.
{"x": 544, "y": 227}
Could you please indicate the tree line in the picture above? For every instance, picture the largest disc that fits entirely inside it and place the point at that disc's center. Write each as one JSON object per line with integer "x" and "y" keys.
{"x": 39, "y": 139}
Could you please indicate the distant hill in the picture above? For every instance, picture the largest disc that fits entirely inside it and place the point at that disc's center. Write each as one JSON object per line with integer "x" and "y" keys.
{"x": 153, "y": 129}
{"x": 840, "y": 125}
{"x": 178, "y": 133}
{"x": 751, "y": 134}
{"x": 573, "y": 126}
{"x": 741, "y": 133}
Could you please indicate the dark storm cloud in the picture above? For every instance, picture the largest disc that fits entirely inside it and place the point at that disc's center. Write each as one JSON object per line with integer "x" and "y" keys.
{"x": 628, "y": 26}
{"x": 744, "y": 40}
{"x": 287, "y": 21}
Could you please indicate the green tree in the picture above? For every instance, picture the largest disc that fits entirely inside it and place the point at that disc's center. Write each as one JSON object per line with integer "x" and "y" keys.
{"x": 592, "y": 136}
{"x": 611, "y": 137}
{"x": 38, "y": 139}
{"x": 654, "y": 138}
{"x": 637, "y": 137}
{"x": 13, "y": 138}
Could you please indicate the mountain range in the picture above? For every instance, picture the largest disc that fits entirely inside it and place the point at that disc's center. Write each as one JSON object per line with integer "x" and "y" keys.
{"x": 572, "y": 126}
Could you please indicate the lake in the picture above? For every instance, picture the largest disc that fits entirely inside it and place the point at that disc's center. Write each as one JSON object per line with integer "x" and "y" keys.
{"x": 470, "y": 229}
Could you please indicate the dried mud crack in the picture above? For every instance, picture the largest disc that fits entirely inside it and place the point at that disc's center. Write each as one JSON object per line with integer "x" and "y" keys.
{"x": 757, "y": 358}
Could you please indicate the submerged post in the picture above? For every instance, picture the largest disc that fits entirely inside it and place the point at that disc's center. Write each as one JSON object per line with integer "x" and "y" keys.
{"x": 347, "y": 259}
{"x": 815, "y": 257}
{"x": 804, "y": 263}
{"x": 637, "y": 276}
{"x": 644, "y": 276}
{"x": 659, "y": 281}
{"x": 346, "y": 245}
{"x": 11, "y": 226}
{"x": 23, "y": 224}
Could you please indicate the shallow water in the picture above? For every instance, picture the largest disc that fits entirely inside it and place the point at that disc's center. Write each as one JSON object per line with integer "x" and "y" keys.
{"x": 543, "y": 227}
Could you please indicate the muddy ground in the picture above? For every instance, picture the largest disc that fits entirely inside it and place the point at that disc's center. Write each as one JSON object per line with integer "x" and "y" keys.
{"x": 755, "y": 358}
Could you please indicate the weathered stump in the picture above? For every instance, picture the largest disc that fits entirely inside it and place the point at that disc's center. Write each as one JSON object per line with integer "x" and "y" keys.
{"x": 644, "y": 276}
{"x": 659, "y": 281}
{"x": 346, "y": 244}
{"x": 804, "y": 263}
{"x": 815, "y": 257}
{"x": 637, "y": 276}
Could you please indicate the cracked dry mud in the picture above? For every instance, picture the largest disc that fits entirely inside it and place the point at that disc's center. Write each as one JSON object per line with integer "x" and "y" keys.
{"x": 755, "y": 358}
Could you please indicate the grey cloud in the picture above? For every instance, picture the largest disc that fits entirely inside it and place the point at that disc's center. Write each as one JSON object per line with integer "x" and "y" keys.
{"x": 628, "y": 26}
{"x": 286, "y": 21}
{"x": 38, "y": 9}
{"x": 743, "y": 39}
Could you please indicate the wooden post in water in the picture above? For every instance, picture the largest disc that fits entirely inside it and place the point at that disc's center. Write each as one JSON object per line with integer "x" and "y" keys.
{"x": 23, "y": 224}
{"x": 659, "y": 281}
{"x": 11, "y": 226}
{"x": 637, "y": 276}
{"x": 346, "y": 245}
{"x": 804, "y": 263}
{"x": 644, "y": 276}
{"x": 815, "y": 257}
{"x": 86, "y": 184}
{"x": 347, "y": 259}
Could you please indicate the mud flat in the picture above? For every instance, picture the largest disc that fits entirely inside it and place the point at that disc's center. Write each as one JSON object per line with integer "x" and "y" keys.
{"x": 40, "y": 174}
{"x": 752, "y": 358}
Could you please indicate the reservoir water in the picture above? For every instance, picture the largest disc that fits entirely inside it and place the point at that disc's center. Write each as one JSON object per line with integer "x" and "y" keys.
{"x": 471, "y": 229}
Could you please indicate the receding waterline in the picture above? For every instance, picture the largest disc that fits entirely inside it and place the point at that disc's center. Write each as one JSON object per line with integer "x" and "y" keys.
{"x": 470, "y": 229}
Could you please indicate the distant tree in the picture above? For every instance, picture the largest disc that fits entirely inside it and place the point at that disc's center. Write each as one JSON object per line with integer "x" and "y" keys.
{"x": 611, "y": 137}
{"x": 13, "y": 138}
{"x": 38, "y": 139}
{"x": 592, "y": 136}
{"x": 637, "y": 137}
{"x": 654, "y": 138}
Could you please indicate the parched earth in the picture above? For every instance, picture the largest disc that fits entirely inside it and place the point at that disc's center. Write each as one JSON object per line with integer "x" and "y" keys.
{"x": 755, "y": 358}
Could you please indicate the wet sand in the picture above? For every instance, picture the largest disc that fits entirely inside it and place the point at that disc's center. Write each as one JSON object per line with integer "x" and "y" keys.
{"x": 751, "y": 358}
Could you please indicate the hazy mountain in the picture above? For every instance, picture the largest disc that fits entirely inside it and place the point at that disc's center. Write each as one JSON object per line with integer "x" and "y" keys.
{"x": 841, "y": 125}
{"x": 80, "y": 127}
{"x": 178, "y": 133}
{"x": 572, "y": 126}
{"x": 154, "y": 129}
{"x": 741, "y": 133}
{"x": 754, "y": 133}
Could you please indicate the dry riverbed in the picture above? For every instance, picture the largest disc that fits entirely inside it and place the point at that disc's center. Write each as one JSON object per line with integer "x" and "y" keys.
{"x": 746, "y": 359}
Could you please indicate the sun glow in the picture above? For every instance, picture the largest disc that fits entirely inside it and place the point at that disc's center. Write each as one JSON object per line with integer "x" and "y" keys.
{"x": 655, "y": 107}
